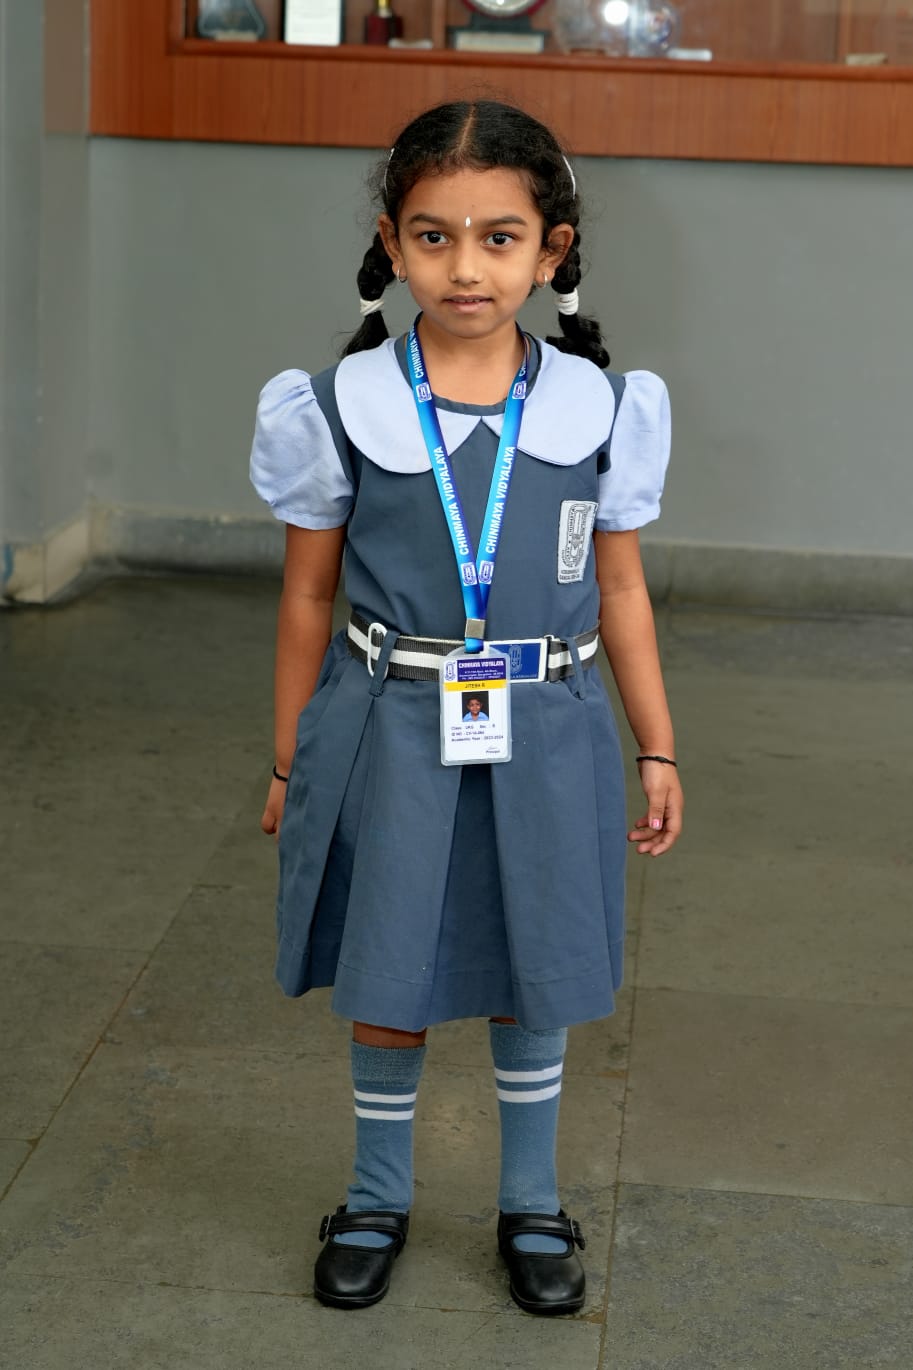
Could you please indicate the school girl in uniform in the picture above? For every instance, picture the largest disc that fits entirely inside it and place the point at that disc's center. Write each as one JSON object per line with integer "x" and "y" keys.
{"x": 484, "y": 487}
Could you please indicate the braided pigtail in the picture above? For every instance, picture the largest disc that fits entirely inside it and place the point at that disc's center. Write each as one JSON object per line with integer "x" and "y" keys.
{"x": 580, "y": 335}
{"x": 374, "y": 276}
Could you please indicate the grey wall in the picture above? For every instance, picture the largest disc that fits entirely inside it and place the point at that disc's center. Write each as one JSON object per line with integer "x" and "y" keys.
{"x": 44, "y": 266}
{"x": 20, "y": 215}
{"x": 770, "y": 298}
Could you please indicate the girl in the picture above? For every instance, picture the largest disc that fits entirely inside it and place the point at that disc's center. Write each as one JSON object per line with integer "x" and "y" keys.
{"x": 425, "y": 891}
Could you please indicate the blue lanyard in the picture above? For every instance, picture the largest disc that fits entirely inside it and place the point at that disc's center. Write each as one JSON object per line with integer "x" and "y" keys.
{"x": 476, "y": 574}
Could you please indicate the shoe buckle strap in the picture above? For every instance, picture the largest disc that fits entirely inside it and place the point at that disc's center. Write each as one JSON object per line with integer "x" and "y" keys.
{"x": 395, "y": 1225}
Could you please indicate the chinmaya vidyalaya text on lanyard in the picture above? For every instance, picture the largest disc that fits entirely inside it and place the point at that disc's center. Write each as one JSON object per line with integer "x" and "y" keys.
{"x": 477, "y": 666}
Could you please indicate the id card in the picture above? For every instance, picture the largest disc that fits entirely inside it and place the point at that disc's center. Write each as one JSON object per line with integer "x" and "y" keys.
{"x": 475, "y": 708}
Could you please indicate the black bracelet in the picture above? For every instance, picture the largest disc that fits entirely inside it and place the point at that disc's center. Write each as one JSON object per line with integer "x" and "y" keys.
{"x": 283, "y": 778}
{"x": 666, "y": 760}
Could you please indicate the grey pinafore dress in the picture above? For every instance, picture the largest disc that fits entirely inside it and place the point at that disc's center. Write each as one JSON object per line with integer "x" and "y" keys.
{"x": 423, "y": 892}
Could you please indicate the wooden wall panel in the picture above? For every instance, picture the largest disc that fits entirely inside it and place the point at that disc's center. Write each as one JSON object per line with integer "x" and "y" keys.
{"x": 149, "y": 82}
{"x": 130, "y": 76}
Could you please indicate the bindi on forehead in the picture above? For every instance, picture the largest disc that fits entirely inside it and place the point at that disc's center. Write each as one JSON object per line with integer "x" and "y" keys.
{"x": 442, "y": 221}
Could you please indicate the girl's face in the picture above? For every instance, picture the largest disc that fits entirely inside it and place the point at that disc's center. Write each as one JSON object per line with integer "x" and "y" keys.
{"x": 470, "y": 245}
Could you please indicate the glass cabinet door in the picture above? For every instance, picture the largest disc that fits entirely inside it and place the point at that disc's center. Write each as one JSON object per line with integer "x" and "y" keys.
{"x": 846, "y": 32}
{"x": 855, "y": 32}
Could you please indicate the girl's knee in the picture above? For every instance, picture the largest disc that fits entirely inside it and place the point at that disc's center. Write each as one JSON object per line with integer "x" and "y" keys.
{"x": 370, "y": 1035}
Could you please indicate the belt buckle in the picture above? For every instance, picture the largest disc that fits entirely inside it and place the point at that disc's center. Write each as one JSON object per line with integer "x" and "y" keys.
{"x": 370, "y": 647}
{"x": 528, "y": 657}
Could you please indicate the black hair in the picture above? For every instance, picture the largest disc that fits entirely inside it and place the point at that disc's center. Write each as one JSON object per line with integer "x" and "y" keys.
{"x": 480, "y": 134}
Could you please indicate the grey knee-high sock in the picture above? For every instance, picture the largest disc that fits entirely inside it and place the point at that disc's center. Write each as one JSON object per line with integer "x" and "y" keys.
{"x": 528, "y": 1068}
{"x": 386, "y": 1082}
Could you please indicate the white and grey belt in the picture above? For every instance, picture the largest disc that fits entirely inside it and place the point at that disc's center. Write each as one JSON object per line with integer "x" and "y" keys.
{"x": 419, "y": 658}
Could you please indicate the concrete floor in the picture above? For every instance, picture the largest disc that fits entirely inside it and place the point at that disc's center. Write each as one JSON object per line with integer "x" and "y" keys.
{"x": 736, "y": 1141}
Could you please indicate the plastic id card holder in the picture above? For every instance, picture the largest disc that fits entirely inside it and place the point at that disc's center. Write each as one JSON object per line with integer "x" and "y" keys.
{"x": 475, "y": 708}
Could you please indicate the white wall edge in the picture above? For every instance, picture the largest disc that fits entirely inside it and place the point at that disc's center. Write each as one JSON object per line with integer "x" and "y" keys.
{"x": 35, "y": 572}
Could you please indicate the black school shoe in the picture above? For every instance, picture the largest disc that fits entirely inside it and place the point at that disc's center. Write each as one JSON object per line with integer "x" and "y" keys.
{"x": 545, "y": 1283}
{"x": 357, "y": 1276}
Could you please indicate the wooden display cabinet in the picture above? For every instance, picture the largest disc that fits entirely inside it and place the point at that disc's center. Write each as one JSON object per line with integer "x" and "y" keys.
{"x": 150, "y": 79}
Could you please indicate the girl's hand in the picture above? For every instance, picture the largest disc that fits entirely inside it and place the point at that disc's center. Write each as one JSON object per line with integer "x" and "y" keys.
{"x": 275, "y": 803}
{"x": 660, "y": 826}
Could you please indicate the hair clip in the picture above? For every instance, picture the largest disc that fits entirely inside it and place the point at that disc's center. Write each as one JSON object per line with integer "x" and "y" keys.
{"x": 569, "y": 172}
{"x": 389, "y": 160}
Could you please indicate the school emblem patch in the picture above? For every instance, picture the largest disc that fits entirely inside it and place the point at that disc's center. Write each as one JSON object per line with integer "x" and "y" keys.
{"x": 575, "y": 533}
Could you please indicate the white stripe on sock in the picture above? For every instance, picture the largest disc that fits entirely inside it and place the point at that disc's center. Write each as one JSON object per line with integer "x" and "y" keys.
{"x": 384, "y": 1115}
{"x": 386, "y": 1098}
{"x": 530, "y": 1096}
{"x": 523, "y": 1076}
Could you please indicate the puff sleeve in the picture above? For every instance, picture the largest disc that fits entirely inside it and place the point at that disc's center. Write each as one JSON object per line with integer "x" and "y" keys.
{"x": 629, "y": 491}
{"x": 294, "y": 465}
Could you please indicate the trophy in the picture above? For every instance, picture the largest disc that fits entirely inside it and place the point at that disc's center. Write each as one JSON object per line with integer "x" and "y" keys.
{"x": 652, "y": 29}
{"x": 499, "y": 26}
{"x": 618, "y": 28}
{"x": 382, "y": 24}
{"x": 230, "y": 19}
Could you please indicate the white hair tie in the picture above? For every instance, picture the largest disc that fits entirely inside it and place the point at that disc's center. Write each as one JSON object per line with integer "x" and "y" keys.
{"x": 370, "y": 306}
{"x": 568, "y": 304}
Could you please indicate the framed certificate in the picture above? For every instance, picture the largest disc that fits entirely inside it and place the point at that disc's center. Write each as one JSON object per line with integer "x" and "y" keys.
{"x": 317, "y": 23}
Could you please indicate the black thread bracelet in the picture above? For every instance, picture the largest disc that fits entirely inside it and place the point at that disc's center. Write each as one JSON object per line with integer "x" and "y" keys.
{"x": 666, "y": 760}
{"x": 283, "y": 778}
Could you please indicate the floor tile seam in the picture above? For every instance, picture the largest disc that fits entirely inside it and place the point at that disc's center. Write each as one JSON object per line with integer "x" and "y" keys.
{"x": 90, "y": 1055}
{"x": 773, "y": 998}
{"x": 695, "y": 673}
{"x": 764, "y": 1194}
{"x": 482, "y": 1069}
{"x": 95, "y": 947}
{"x": 226, "y": 824}
{"x": 796, "y": 857}
{"x": 31, "y": 1143}
{"x": 300, "y": 1295}
{"x": 226, "y": 885}
{"x": 76, "y": 1277}
{"x": 638, "y": 922}
{"x": 683, "y": 608}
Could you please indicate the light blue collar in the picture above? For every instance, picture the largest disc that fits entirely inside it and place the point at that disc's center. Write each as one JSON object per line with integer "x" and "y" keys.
{"x": 568, "y": 413}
